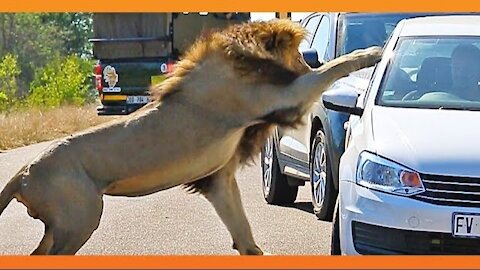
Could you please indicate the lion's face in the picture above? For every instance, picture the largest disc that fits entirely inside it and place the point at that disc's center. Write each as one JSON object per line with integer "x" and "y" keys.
{"x": 293, "y": 60}
{"x": 281, "y": 40}
{"x": 276, "y": 40}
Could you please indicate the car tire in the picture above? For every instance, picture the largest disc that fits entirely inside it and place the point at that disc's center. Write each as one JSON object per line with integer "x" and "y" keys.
{"x": 335, "y": 240}
{"x": 276, "y": 189}
{"x": 322, "y": 190}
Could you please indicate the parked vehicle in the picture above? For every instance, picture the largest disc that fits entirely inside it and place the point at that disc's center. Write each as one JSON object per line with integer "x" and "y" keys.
{"x": 410, "y": 174}
{"x": 136, "y": 50}
{"x": 312, "y": 152}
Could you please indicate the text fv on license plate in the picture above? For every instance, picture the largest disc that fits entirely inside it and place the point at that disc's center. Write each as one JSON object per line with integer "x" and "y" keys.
{"x": 137, "y": 99}
{"x": 466, "y": 225}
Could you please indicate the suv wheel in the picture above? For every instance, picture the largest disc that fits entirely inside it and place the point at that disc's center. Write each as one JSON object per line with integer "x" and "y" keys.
{"x": 321, "y": 180}
{"x": 276, "y": 189}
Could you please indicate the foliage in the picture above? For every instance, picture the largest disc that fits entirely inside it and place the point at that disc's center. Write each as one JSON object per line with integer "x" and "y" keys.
{"x": 39, "y": 38}
{"x": 44, "y": 55}
{"x": 9, "y": 72}
{"x": 76, "y": 29}
{"x": 62, "y": 81}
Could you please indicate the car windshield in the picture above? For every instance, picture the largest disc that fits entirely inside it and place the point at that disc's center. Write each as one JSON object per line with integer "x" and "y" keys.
{"x": 358, "y": 31}
{"x": 433, "y": 72}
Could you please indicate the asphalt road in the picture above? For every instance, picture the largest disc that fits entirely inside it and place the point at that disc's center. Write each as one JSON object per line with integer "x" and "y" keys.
{"x": 172, "y": 222}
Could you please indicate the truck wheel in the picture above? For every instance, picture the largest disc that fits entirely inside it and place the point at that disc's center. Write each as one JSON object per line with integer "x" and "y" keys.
{"x": 276, "y": 189}
{"x": 321, "y": 180}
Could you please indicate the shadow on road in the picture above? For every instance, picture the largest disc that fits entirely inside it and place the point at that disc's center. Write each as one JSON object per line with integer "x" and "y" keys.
{"x": 304, "y": 206}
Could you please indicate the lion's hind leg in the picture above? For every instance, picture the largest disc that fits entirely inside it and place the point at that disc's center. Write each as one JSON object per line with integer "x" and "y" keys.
{"x": 70, "y": 208}
{"x": 45, "y": 244}
{"x": 74, "y": 228}
{"x": 69, "y": 230}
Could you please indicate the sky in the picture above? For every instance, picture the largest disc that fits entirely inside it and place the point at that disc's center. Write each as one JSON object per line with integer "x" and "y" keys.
{"x": 296, "y": 16}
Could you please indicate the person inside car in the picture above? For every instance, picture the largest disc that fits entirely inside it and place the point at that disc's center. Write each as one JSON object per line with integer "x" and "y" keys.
{"x": 466, "y": 72}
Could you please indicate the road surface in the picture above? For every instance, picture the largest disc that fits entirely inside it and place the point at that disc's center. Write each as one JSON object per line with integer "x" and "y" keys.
{"x": 172, "y": 222}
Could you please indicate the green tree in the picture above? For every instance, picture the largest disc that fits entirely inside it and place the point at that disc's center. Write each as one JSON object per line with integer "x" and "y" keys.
{"x": 9, "y": 72}
{"x": 76, "y": 29}
{"x": 62, "y": 81}
{"x": 39, "y": 38}
{"x": 33, "y": 42}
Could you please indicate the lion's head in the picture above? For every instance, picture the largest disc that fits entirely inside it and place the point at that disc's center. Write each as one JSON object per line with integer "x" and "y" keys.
{"x": 260, "y": 52}
{"x": 275, "y": 40}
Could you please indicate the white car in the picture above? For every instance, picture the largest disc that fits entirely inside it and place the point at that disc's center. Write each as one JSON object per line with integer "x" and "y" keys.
{"x": 410, "y": 174}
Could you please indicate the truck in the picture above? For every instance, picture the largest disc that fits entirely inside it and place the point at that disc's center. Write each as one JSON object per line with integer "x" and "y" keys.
{"x": 137, "y": 50}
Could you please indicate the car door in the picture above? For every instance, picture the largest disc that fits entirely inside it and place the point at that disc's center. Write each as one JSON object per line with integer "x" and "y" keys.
{"x": 296, "y": 142}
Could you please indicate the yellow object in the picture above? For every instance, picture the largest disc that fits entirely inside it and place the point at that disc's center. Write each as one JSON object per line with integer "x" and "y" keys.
{"x": 157, "y": 79}
{"x": 114, "y": 97}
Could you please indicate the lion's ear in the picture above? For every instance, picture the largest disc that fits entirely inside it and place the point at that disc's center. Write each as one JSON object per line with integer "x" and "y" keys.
{"x": 285, "y": 35}
{"x": 278, "y": 40}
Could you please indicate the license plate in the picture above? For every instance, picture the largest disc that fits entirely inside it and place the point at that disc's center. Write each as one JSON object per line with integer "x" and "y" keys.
{"x": 137, "y": 99}
{"x": 466, "y": 225}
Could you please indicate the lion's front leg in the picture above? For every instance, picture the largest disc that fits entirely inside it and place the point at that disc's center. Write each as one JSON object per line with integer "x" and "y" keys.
{"x": 225, "y": 198}
{"x": 298, "y": 96}
{"x": 222, "y": 191}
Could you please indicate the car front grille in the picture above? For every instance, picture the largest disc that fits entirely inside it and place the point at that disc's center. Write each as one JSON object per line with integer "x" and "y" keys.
{"x": 450, "y": 190}
{"x": 376, "y": 240}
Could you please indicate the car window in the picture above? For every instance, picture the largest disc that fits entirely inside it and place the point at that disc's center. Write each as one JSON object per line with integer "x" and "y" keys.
{"x": 433, "y": 72}
{"x": 321, "y": 38}
{"x": 311, "y": 27}
{"x": 362, "y": 30}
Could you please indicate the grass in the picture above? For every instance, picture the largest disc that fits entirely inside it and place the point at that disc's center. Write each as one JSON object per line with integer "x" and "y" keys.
{"x": 28, "y": 126}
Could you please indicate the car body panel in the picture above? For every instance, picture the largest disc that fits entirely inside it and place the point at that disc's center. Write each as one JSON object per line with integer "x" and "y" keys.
{"x": 402, "y": 134}
{"x": 399, "y": 213}
{"x": 428, "y": 141}
{"x": 442, "y": 26}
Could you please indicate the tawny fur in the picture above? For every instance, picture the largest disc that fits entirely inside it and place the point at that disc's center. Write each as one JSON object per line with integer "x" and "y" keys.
{"x": 261, "y": 51}
{"x": 213, "y": 114}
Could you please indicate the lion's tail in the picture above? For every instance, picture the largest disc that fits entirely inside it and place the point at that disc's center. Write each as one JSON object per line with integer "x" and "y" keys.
{"x": 8, "y": 192}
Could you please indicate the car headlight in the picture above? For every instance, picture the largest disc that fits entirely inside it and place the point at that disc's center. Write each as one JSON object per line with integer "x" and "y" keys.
{"x": 384, "y": 175}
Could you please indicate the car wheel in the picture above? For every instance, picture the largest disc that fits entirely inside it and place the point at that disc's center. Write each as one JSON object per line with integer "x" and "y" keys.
{"x": 276, "y": 189}
{"x": 335, "y": 241}
{"x": 321, "y": 180}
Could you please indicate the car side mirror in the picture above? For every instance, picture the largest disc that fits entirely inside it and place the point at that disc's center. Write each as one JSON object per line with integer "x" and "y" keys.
{"x": 342, "y": 100}
{"x": 311, "y": 57}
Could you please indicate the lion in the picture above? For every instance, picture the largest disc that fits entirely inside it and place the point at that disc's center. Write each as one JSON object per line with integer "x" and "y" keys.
{"x": 207, "y": 119}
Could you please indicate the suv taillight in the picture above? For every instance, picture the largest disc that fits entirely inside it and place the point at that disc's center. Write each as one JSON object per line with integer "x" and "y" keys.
{"x": 97, "y": 69}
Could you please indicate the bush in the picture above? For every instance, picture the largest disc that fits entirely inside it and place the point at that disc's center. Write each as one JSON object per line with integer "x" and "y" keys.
{"x": 3, "y": 101}
{"x": 62, "y": 81}
{"x": 9, "y": 72}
